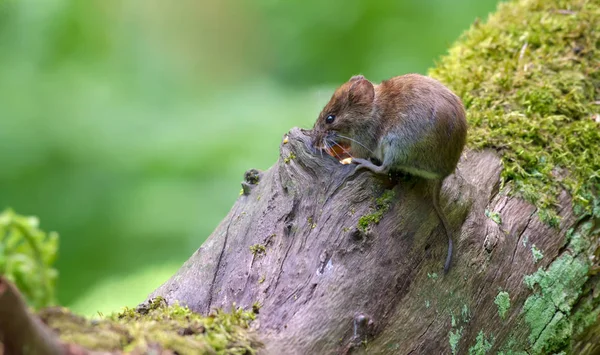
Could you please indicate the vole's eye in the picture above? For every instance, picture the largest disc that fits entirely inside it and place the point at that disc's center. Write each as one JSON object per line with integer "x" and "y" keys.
{"x": 330, "y": 119}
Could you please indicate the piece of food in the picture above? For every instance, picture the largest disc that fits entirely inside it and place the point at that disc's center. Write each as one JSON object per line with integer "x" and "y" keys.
{"x": 346, "y": 161}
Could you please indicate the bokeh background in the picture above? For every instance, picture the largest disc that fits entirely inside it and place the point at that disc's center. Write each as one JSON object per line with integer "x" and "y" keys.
{"x": 126, "y": 126}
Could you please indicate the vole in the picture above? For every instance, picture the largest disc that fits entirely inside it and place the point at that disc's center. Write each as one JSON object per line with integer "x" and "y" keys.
{"x": 409, "y": 124}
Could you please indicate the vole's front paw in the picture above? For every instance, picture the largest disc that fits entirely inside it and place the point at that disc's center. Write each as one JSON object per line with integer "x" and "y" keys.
{"x": 368, "y": 165}
{"x": 360, "y": 164}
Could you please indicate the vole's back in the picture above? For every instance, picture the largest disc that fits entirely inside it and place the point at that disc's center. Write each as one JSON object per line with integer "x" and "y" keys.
{"x": 423, "y": 125}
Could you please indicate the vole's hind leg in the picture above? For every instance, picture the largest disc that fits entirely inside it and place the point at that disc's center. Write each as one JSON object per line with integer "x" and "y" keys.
{"x": 368, "y": 165}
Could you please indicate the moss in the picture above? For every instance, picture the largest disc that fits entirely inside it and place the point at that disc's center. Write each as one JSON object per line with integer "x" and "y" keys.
{"x": 502, "y": 300}
{"x": 156, "y": 325}
{"x": 586, "y": 315}
{"x": 27, "y": 256}
{"x": 482, "y": 345}
{"x": 547, "y": 311}
{"x": 258, "y": 249}
{"x": 529, "y": 85}
{"x": 454, "y": 339}
{"x": 311, "y": 223}
{"x": 537, "y": 254}
{"x": 382, "y": 205}
{"x": 289, "y": 158}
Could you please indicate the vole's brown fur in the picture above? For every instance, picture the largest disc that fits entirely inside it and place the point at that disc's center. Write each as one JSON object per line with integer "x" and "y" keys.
{"x": 410, "y": 123}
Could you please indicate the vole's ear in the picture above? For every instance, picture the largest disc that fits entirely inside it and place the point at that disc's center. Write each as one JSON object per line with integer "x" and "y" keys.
{"x": 356, "y": 77}
{"x": 361, "y": 91}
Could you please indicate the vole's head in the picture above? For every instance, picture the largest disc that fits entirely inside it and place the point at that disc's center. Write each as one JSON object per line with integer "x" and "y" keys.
{"x": 348, "y": 109}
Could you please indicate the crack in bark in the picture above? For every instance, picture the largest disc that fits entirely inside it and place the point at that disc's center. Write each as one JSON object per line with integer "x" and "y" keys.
{"x": 212, "y": 284}
{"x": 529, "y": 219}
{"x": 420, "y": 336}
{"x": 512, "y": 257}
{"x": 281, "y": 267}
{"x": 546, "y": 325}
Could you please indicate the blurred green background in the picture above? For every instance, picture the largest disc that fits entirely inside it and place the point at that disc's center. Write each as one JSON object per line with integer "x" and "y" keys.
{"x": 127, "y": 126}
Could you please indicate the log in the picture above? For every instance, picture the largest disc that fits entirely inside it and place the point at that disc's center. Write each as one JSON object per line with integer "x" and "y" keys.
{"x": 330, "y": 283}
{"x": 349, "y": 263}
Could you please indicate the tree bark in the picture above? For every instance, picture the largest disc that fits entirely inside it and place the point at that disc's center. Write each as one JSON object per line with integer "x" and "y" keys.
{"x": 20, "y": 331}
{"x": 326, "y": 286}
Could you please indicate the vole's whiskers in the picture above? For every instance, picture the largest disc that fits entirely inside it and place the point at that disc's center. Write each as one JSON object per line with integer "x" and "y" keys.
{"x": 330, "y": 149}
{"x": 357, "y": 142}
{"x": 321, "y": 148}
{"x": 344, "y": 149}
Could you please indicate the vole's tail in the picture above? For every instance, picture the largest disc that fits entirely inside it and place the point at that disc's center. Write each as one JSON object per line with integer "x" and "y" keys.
{"x": 435, "y": 188}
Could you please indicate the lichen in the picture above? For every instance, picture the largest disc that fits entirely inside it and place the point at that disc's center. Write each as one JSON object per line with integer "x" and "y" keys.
{"x": 382, "y": 205}
{"x": 547, "y": 311}
{"x": 537, "y": 254}
{"x": 494, "y": 216}
{"x": 502, "y": 300}
{"x": 529, "y": 85}
{"x": 465, "y": 313}
{"x": 507, "y": 348}
{"x": 156, "y": 326}
{"x": 482, "y": 345}
{"x": 454, "y": 339}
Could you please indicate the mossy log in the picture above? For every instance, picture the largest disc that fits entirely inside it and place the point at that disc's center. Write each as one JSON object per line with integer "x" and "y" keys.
{"x": 349, "y": 263}
{"x": 343, "y": 263}
{"x": 330, "y": 278}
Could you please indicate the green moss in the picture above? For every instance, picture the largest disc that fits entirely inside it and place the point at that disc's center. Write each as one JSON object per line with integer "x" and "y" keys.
{"x": 157, "y": 326}
{"x": 547, "y": 311}
{"x": 586, "y": 315}
{"x": 289, "y": 158}
{"x": 382, "y": 205}
{"x": 482, "y": 345}
{"x": 27, "y": 255}
{"x": 454, "y": 339}
{"x": 537, "y": 254}
{"x": 258, "y": 249}
{"x": 311, "y": 223}
{"x": 502, "y": 300}
{"x": 529, "y": 85}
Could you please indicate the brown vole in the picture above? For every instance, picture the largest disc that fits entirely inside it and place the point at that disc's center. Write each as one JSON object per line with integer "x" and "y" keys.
{"x": 411, "y": 124}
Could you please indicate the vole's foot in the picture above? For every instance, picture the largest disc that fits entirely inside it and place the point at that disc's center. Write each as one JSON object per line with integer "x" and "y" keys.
{"x": 368, "y": 165}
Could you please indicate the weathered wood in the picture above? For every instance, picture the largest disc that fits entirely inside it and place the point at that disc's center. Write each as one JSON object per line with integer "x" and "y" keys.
{"x": 20, "y": 331}
{"x": 325, "y": 285}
